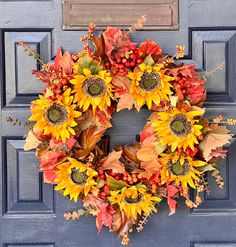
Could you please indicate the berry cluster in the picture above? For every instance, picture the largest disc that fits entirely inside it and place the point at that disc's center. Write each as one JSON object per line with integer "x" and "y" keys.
{"x": 124, "y": 61}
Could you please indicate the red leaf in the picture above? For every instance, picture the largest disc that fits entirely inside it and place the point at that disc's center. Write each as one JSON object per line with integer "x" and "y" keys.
{"x": 104, "y": 217}
{"x": 149, "y": 47}
{"x": 49, "y": 159}
{"x": 63, "y": 62}
{"x": 70, "y": 142}
{"x": 49, "y": 176}
{"x": 58, "y": 60}
{"x": 171, "y": 192}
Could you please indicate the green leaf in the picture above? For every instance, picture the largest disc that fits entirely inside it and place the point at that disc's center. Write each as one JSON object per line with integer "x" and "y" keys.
{"x": 88, "y": 63}
{"x": 149, "y": 60}
{"x": 100, "y": 183}
{"x": 160, "y": 148}
{"x": 115, "y": 184}
{"x": 207, "y": 168}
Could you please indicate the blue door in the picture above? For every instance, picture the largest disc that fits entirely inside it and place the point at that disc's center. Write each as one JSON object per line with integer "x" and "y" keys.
{"x": 31, "y": 212}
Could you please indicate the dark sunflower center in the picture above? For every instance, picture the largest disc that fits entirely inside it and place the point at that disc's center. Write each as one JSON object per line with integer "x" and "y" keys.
{"x": 56, "y": 114}
{"x": 180, "y": 126}
{"x": 150, "y": 81}
{"x": 79, "y": 177}
{"x": 137, "y": 199}
{"x": 94, "y": 87}
{"x": 177, "y": 169}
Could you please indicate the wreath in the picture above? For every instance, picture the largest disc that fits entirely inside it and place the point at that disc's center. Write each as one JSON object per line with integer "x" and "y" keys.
{"x": 176, "y": 148}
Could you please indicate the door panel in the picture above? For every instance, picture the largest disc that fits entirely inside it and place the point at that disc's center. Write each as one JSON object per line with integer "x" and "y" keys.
{"x": 31, "y": 212}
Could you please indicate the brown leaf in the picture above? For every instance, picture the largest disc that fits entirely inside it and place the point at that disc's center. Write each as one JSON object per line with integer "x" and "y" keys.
{"x": 216, "y": 138}
{"x": 100, "y": 46}
{"x": 112, "y": 162}
{"x": 31, "y": 141}
{"x": 88, "y": 139}
{"x": 131, "y": 152}
{"x": 121, "y": 224}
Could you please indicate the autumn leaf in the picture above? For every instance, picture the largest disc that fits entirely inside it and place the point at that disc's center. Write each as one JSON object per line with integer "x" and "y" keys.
{"x": 171, "y": 192}
{"x": 150, "y": 167}
{"x": 150, "y": 47}
{"x": 121, "y": 223}
{"x": 147, "y": 151}
{"x": 49, "y": 176}
{"x": 31, "y": 141}
{"x": 88, "y": 139}
{"x": 100, "y": 46}
{"x": 104, "y": 216}
{"x": 112, "y": 162}
{"x": 216, "y": 138}
{"x": 126, "y": 100}
{"x": 219, "y": 152}
{"x": 92, "y": 204}
{"x": 49, "y": 158}
{"x": 130, "y": 152}
{"x": 115, "y": 184}
{"x": 63, "y": 62}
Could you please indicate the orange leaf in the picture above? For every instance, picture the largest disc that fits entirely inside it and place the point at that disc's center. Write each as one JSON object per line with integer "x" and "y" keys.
{"x": 147, "y": 151}
{"x": 112, "y": 162}
{"x": 217, "y": 137}
{"x": 150, "y": 167}
{"x": 126, "y": 100}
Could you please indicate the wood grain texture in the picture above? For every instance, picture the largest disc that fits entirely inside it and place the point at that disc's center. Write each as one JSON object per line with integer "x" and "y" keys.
{"x": 161, "y": 14}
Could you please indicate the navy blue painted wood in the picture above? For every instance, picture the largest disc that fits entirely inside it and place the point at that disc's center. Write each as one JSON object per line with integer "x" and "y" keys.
{"x": 31, "y": 213}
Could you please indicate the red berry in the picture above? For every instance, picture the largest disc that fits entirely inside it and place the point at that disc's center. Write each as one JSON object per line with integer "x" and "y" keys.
{"x": 121, "y": 66}
{"x": 180, "y": 150}
{"x": 117, "y": 177}
{"x": 139, "y": 61}
{"x": 127, "y": 64}
{"x": 116, "y": 65}
{"x": 200, "y": 138}
{"x": 44, "y": 92}
{"x": 132, "y": 63}
{"x": 132, "y": 56}
{"x": 114, "y": 71}
{"x": 188, "y": 151}
{"x": 124, "y": 60}
{"x": 60, "y": 84}
{"x": 113, "y": 174}
{"x": 102, "y": 176}
{"x": 64, "y": 82}
{"x": 100, "y": 171}
{"x": 118, "y": 60}
{"x": 53, "y": 86}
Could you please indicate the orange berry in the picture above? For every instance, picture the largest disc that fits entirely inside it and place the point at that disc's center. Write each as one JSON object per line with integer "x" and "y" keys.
{"x": 129, "y": 179}
{"x": 135, "y": 180}
{"x": 139, "y": 176}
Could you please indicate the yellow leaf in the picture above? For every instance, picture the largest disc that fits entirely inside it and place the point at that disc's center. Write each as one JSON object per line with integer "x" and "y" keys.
{"x": 31, "y": 141}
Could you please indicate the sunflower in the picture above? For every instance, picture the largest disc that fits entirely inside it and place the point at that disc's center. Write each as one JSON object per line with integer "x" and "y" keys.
{"x": 134, "y": 200}
{"x": 180, "y": 168}
{"x": 74, "y": 178}
{"x": 178, "y": 128}
{"x": 92, "y": 90}
{"x": 150, "y": 84}
{"x": 57, "y": 117}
